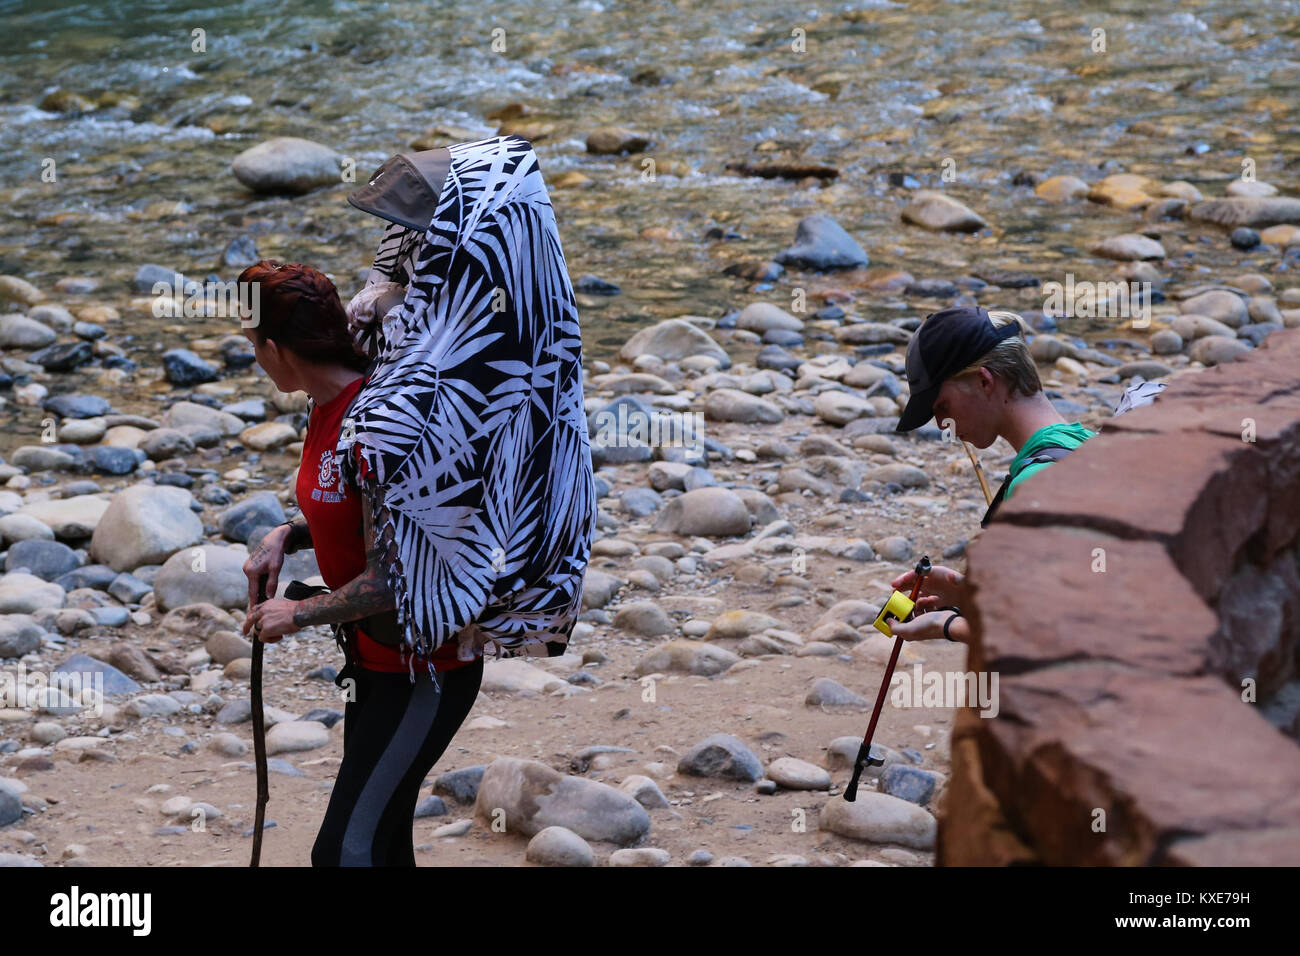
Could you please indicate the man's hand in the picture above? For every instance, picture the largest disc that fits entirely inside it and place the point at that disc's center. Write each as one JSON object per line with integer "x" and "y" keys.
{"x": 929, "y": 627}
{"x": 942, "y": 586}
{"x": 267, "y": 559}
{"x": 271, "y": 620}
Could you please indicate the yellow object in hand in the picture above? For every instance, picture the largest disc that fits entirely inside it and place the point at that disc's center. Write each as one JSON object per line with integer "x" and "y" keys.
{"x": 897, "y": 608}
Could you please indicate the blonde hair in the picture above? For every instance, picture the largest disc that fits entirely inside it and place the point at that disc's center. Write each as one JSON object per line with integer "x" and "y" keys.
{"x": 1009, "y": 360}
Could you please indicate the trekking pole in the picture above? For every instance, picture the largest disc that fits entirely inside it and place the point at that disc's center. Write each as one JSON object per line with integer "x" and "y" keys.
{"x": 979, "y": 473}
{"x": 900, "y": 608}
{"x": 259, "y": 735}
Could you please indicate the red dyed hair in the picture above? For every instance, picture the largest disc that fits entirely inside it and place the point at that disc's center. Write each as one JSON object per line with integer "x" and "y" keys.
{"x": 300, "y": 309}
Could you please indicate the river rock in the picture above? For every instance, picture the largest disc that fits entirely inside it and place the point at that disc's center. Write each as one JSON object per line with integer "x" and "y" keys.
{"x": 739, "y": 624}
{"x": 1166, "y": 342}
{"x": 1129, "y": 247}
{"x": 909, "y": 476}
{"x": 42, "y": 458}
{"x": 203, "y": 574}
{"x": 558, "y": 846}
{"x": 20, "y": 332}
{"x": 645, "y": 791}
{"x": 259, "y": 510}
{"x": 1061, "y": 188}
{"x": 293, "y": 736}
{"x": 721, "y": 755}
{"x": 69, "y": 518}
{"x": 828, "y": 693}
{"x": 287, "y": 164}
{"x": 268, "y": 436}
{"x": 22, "y": 593}
{"x": 879, "y": 818}
{"x": 733, "y": 405}
{"x": 1254, "y": 211}
{"x": 821, "y": 243}
{"x": 673, "y": 340}
{"x": 871, "y": 333}
{"x": 1192, "y": 327}
{"x": 516, "y": 676}
{"x": 14, "y": 289}
{"x": 643, "y": 618}
{"x": 840, "y": 408}
{"x": 639, "y": 856}
{"x": 940, "y": 213}
{"x": 613, "y": 141}
{"x": 163, "y": 443}
{"x": 86, "y": 431}
{"x": 186, "y": 415}
{"x": 762, "y": 317}
{"x": 21, "y": 527}
{"x": 1217, "y": 349}
{"x": 528, "y": 797}
{"x": 910, "y": 783}
{"x": 45, "y": 559}
{"x": 690, "y": 657}
{"x": 1220, "y": 305}
{"x": 145, "y": 524}
{"x": 704, "y": 511}
{"x": 794, "y": 774}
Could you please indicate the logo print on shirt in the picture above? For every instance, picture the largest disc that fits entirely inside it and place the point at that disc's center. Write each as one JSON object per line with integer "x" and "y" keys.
{"x": 330, "y": 472}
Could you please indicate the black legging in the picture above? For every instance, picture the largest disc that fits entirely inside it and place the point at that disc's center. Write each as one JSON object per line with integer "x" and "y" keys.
{"x": 393, "y": 733}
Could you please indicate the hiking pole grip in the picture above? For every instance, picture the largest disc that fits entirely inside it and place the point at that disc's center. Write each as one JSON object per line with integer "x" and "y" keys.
{"x": 259, "y": 735}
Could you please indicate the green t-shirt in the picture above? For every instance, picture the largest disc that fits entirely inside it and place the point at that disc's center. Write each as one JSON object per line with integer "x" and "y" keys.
{"x": 1066, "y": 436}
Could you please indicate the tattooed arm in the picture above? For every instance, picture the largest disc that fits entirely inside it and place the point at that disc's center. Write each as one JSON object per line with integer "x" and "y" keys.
{"x": 366, "y": 594}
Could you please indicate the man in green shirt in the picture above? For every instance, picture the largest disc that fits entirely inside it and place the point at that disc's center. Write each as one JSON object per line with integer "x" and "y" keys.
{"x": 971, "y": 371}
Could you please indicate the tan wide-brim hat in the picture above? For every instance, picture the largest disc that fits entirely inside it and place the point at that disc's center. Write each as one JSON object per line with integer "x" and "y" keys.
{"x": 406, "y": 188}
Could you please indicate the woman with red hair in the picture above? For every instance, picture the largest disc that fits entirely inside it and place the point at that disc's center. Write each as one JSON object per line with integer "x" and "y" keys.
{"x": 446, "y": 479}
{"x": 394, "y": 730}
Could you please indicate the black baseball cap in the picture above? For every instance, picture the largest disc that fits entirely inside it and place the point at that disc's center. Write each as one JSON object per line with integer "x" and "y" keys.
{"x": 946, "y": 343}
{"x": 405, "y": 189}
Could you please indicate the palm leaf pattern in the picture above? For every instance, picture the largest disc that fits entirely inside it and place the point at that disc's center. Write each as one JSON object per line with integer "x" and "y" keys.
{"x": 472, "y": 423}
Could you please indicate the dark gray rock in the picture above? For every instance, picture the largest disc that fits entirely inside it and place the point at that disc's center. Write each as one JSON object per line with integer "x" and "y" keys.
{"x": 721, "y": 755}
{"x": 76, "y": 405}
{"x": 43, "y": 558}
{"x": 115, "y": 682}
{"x": 96, "y": 576}
{"x": 430, "y": 807}
{"x": 261, "y": 509}
{"x": 63, "y": 357}
{"x": 114, "y": 460}
{"x": 184, "y": 368}
{"x": 821, "y": 243}
{"x": 128, "y": 588}
{"x": 460, "y": 785}
{"x": 910, "y": 783}
{"x": 323, "y": 715}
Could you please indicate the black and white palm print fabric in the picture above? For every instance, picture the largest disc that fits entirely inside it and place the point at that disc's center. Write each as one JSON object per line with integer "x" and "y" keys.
{"x": 472, "y": 421}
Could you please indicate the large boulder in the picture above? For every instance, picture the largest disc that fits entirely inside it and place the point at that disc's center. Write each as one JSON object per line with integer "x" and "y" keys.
{"x": 671, "y": 340}
{"x": 287, "y": 164}
{"x": 145, "y": 524}
{"x": 704, "y": 511}
{"x": 69, "y": 518}
{"x": 206, "y": 574}
{"x": 526, "y": 797}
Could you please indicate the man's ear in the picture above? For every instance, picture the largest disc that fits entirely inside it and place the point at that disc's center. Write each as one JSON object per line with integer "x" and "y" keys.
{"x": 988, "y": 382}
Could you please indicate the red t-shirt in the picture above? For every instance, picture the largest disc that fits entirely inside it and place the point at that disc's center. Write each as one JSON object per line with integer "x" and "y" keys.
{"x": 332, "y": 509}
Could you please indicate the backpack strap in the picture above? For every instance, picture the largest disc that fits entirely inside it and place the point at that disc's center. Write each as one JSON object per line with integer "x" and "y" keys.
{"x": 1040, "y": 457}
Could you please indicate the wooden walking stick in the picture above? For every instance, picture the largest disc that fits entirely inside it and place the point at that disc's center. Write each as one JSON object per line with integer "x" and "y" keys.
{"x": 899, "y": 608}
{"x": 979, "y": 473}
{"x": 259, "y": 735}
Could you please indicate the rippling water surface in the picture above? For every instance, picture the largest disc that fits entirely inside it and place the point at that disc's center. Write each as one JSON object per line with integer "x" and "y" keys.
{"x": 994, "y": 88}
